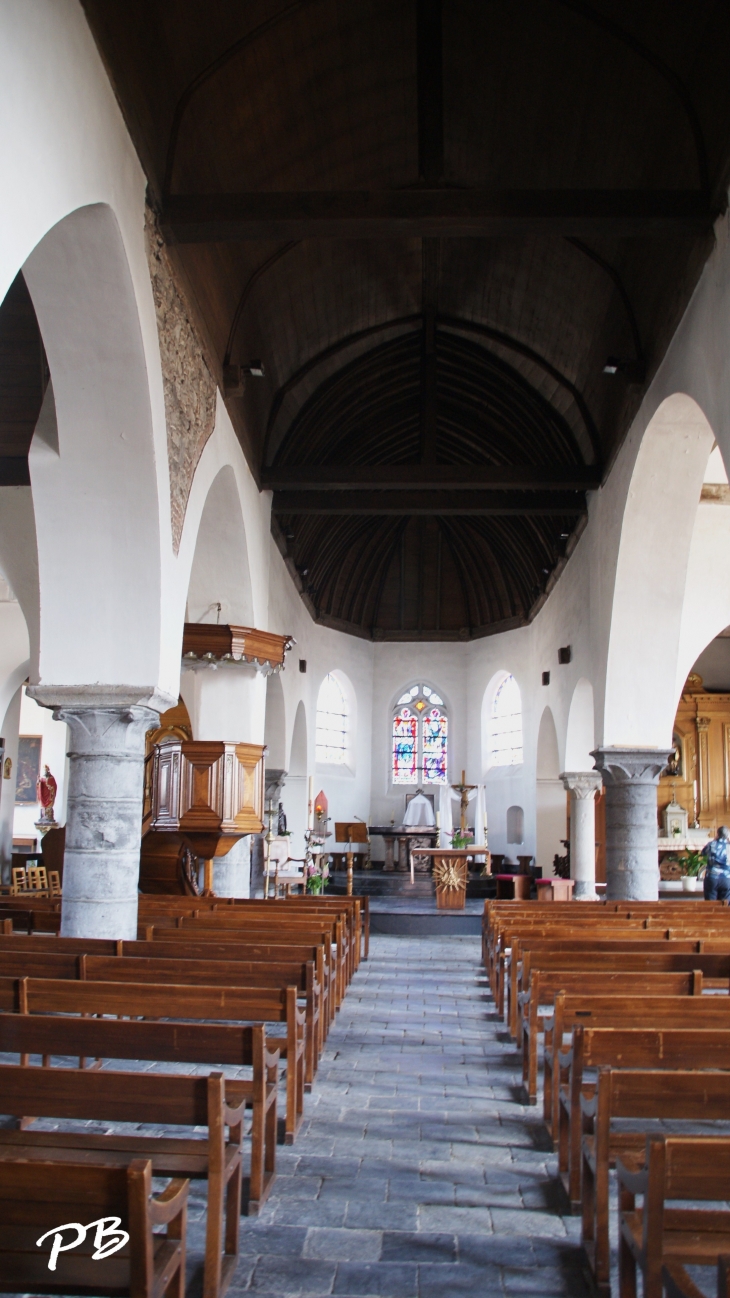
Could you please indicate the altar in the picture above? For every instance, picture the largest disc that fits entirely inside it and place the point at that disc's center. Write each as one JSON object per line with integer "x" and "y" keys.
{"x": 400, "y": 843}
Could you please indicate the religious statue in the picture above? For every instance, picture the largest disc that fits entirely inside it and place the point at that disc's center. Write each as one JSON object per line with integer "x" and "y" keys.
{"x": 46, "y": 790}
{"x": 281, "y": 820}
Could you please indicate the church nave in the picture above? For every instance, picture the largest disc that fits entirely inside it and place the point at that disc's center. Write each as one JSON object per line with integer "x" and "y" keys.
{"x": 418, "y": 1172}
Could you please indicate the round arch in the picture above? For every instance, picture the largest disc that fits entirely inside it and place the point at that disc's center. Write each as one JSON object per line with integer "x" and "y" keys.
{"x": 580, "y": 737}
{"x": 550, "y": 804}
{"x": 651, "y": 575}
{"x": 93, "y": 466}
{"x": 706, "y": 608}
{"x": 220, "y": 573}
{"x": 275, "y": 724}
{"x": 298, "y": 751}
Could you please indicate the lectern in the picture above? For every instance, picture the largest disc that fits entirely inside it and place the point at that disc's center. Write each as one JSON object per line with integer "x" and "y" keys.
{"x": 351, "y": 833}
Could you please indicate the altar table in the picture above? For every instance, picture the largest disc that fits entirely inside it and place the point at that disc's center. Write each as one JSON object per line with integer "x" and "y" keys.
{"x": 450, "y": 872}
{"x": 408, "y": 838}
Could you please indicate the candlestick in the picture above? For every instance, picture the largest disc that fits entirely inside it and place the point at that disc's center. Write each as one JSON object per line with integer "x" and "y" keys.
{"x": 310, "y": 804}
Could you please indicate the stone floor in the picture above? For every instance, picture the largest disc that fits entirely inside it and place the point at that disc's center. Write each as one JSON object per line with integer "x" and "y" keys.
{"x": 418, "y": 1171}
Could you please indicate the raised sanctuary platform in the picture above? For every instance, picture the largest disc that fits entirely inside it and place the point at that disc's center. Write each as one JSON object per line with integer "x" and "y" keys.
{"x": 398, "y": 906}
{"x": 422, "y": 919}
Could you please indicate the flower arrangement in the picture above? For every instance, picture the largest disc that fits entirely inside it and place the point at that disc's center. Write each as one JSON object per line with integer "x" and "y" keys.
{"x": 461, "y": 840}
{"x": 318, "y": 872}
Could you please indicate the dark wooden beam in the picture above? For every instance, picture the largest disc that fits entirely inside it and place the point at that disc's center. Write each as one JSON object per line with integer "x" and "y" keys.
{"x": 430, "y": 91}
{"x": 419, "y": 477}
{"x": 432, "y": 213}
{"x": 430, "y": 257}
{"x": 431, "y": 503}
{"x": 14, "y": 471}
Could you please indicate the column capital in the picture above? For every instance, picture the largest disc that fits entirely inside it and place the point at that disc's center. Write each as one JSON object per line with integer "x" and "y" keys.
{"x": 631, "y": 765}
{"x": 101, "y": 696}
{"x": 583, "y": 784}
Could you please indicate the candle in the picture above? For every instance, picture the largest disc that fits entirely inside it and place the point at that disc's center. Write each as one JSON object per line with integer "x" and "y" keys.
{"x": 310, "y": 804}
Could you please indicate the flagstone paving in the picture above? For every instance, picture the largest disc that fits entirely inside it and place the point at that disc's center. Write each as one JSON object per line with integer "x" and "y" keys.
{"x": 418, "y": 1173}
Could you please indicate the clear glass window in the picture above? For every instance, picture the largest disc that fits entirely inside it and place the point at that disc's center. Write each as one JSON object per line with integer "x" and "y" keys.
{"x": 332, "y": 722}
{"x": 505, "y": 747}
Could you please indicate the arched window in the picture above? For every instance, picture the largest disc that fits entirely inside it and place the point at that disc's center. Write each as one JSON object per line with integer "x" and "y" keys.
{"x": 333, "y": 722}
{"x": 420, "y": 738}
{"x": 505, "y": 731}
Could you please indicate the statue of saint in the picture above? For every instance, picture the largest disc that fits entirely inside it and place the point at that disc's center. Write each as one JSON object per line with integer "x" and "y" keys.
{"x": 46, "y": 790}
{"x": 281, "y": 821}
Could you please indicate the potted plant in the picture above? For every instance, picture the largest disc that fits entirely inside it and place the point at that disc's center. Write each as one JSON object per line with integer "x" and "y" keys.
{"x": 693, "y": 864}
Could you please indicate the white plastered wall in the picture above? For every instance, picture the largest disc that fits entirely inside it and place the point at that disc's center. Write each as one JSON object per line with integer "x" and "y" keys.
{"x": 72, "y": 218}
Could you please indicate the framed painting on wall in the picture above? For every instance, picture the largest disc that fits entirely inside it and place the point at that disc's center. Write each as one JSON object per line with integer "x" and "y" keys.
{"x": 29, "y": 768}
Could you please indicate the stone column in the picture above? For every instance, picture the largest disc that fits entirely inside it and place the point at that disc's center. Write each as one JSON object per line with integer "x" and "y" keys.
{"x": 583, "y": 787}
{"x": 630, "y": 777}
{"x": 104, "y": 811}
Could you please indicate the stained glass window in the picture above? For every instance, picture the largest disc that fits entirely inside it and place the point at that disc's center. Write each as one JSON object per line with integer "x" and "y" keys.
{"x": 420, "y": 738}
{"x": 405, "y": 747}
{"x": 505, "y": 746}
{"x": 434, "y": 726}
{"x": 332, "y": 722}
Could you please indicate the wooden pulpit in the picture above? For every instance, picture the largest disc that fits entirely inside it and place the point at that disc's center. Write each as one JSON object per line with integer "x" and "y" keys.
{"x": 208, "y": 794}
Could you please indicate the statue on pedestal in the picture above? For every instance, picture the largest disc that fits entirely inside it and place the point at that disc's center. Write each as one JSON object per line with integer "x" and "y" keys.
{"x": 281, "y": 821}
{"x": 46, "y": 790}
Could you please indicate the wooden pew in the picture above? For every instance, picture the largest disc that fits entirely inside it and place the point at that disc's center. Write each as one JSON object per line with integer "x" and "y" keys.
{"x": 675, "y": 1168}
{"x": 594, "y": 1048}
{"x": 214, "y": 973}
{"x": 630, "y": 953}
{"x": 519, "y": 920}
{"x": 545, "y": 987}
{"x": 168, "y": 1099}
{"x": 229, "y": 927}
{"x": 646, "y": 1094}
{"x": 170, "y": 1001}
{"x": 357, "y": 909}
{"x": 707, "y": 1013}
{"x": 34, "y": 1197}
{"x": 174, "y": 1043}
{"x": 266, "y": 954}
{"x": 163, "y": 909}
{"x": 559, "y": 931}
{"x": 241, "y": 942}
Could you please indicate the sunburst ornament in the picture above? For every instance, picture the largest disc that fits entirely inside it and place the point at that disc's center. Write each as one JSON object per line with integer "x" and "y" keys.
{"x": 447, "y": 875}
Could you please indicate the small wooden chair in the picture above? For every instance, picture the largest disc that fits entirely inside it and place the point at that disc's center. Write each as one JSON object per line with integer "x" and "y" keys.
{"x": 36, "y": 878}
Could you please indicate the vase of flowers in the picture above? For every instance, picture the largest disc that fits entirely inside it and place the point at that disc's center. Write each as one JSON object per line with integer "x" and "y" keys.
{"x": 318, "y": 872}
{"x": 461, "y": 840}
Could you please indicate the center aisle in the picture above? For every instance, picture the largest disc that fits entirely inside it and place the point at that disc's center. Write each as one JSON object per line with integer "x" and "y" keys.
{"x": 417, "y": 1172}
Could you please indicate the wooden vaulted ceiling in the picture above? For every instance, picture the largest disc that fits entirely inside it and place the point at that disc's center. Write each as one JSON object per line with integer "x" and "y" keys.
{"x": 433, "y": 222}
